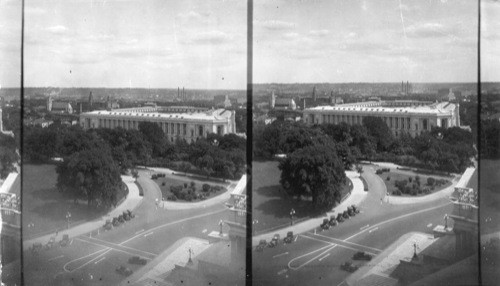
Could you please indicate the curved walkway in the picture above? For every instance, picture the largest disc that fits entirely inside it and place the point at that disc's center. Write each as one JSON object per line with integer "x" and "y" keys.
{"x": 457, "y": 181}
{"x": 131, "y": 202}
{"x": 234, "y": 186}
{"x": 356, "y": 197}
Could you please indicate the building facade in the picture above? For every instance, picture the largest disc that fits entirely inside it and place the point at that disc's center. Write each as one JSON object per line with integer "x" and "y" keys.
{"x": 401, "y": 116}
{"x": 188, "y": 125}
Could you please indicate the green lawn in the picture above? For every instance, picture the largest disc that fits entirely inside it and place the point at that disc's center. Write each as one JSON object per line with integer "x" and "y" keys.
{"x": 178, "y": 180}
{"x": 46, "y": 207}
{"x": 405, "y": 175}
{"x": 270, "y": 205}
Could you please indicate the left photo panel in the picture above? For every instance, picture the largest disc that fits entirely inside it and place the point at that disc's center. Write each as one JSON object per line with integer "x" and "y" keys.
{"x": 10, "y": 138}
{"x": 134, "y": 142}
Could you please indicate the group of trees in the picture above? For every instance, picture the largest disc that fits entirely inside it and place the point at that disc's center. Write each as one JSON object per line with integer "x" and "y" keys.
{"x": 316, "y": 157}
{"x": 8, "y": 155}
{"x": 93, "y": 157}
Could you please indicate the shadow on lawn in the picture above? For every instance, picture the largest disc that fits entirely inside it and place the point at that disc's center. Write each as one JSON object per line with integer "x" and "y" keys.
{"x": 52, "y": 194}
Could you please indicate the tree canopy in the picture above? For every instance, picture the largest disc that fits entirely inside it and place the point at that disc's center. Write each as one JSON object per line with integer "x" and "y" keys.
{"x": 314, "y": 171}
{"x": 92, "y": 175}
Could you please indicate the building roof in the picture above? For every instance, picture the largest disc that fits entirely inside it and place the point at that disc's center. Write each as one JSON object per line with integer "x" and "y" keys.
{"x": 435, "y": 108}
{"x": 210, "y": 115}
{"x": 283, "y": 101}
{"x": 60, "y": 105}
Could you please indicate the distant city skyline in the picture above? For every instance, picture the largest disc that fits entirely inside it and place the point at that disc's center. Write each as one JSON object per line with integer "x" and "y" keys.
{"x": 146, "y": 44}
{"x": 365, "y": 41}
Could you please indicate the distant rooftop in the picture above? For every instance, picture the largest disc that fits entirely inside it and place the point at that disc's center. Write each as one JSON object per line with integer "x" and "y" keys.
{"x": 382, "y": 106}
{"x": 209, "y": 115}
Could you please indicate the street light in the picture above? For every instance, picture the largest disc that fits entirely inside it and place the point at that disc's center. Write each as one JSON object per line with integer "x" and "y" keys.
{"x": 220, "y": 224}
{"x": 68, "y": 216}
{"x": 254, "y": 222}
{"x": 292, "y": 213}
{"x": 190, "y": 261}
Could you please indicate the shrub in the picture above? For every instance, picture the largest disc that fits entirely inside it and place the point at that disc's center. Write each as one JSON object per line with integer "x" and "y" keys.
{"x": 171, "y": 198}
{"x": 406, "y": 190}
{"x": 431, "y": 181}
{"x": 396, "y": 193}
{"x": 206, "y": 188}
{"x": 193, "y": 184}
{"x": 414, "y": 192}
{"x": 379, "y": 171}
{"x": 410, "y": 179}
{"x": 419, "y": 191}
{"x": 163, "y": 183}
{"x": 427, "y": 191}
{"x": 388, "y": 178}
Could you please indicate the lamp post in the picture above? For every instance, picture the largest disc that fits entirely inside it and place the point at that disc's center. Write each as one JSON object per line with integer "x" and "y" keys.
{"x": 254, "y": 222}
{"x": 415, "y": 250}
{"x": 190, "y": 261}
{"x": 292, "y": 213}
{"x": 68, "y": 216}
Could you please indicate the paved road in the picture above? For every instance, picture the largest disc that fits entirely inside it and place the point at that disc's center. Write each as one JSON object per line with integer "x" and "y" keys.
{"x": 315, "y": 257}
{"x": 93, "y": 260}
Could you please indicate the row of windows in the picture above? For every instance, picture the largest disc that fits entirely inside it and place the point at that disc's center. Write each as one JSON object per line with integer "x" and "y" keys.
{"x": 172, "y": 128}
{"x": 393, "y": 122}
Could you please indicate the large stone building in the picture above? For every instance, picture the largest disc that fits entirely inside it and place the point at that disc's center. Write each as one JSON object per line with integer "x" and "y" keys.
{"x": 185, "y": 123}
{"x": 402, "y": 116}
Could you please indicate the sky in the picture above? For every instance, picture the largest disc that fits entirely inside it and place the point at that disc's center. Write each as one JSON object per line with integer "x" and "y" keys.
{"x": 198, "y": 44}
{"x": 365, "y": 41}
{"x": 10, "y": 43}
{"x": 490, "y": 40}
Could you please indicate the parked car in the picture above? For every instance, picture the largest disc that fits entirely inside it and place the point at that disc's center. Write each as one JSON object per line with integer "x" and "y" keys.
{"x": 325, "y": 224}
{"x": 262, "y": 245}
{"x": 37, "y": 246}
{"x": 350, "y": 211}
{"x": 340, "y": 217}
{"x": 333, "y": 221}
{"x": 116, "y": 221}
{"x": 65, "y": 240}
{"x": 130, "y": 214}
{"x": 124, "y": 271}
{"x": 137, "y": 260}
{"x": 289, "y": 237}
{"x": 348, "y": 266}
{"x": 346, "y": 215}
{"x": 275, "y": 241}
{"x": 360, "y": 255}
{"x": 108, "y": 225}
{"x": 356, "y": 209}
{"x": 126, "y": 216}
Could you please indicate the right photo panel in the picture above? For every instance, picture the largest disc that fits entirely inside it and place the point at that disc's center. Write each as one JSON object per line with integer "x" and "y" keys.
{"x": 490, "y": 142}
{"x": 365, "y": 154}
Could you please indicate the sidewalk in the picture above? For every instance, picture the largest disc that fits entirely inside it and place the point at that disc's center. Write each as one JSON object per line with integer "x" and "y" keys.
{"x": 234, "y": 187}
{"x": 131, "y": 202}
{"x": 357, "y": 196}
{"x": 446, "y": 192}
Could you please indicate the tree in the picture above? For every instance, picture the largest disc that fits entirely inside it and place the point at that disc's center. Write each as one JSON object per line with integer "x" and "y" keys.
{"x": 135, "y": 174}
{"x": 379, "y": 130}
{"x": 314, "y": 171}
{"x": 185, "y": 167}
{"x": 90, "y": 174}
{"x": 153, "y": 133}
{"x": 206, "y": 165}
